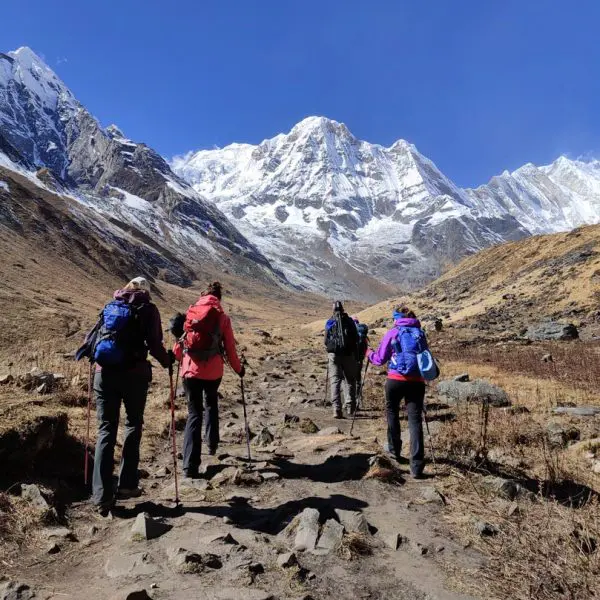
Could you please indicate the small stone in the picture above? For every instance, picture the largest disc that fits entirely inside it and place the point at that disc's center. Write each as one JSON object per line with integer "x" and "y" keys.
{"x": 290, "y": 419}
{"x": 185, "y": 561}
{"x": 53, "y": 548}
{"x": 270, "y": 476}
{"x": 308, "y": 426}
{"x": 59, "y": 533}
{"x": 146, "y": 527}
{"x": 547, "y": 358}
{"x": 596, "y": 467}
{"x": 286, "y": 560}
{"x": 463, "y": 378}
{"x": 264, "y": 437}
{"x": 32, "y": 493}
{"x": 6, "y": 379}
{"x": 577, "y": 411}
{"x": 227, "y": 520}
{"x": 485, "y": 529}
{"x": 419, "y": 549}
{"x": 430, "y": 495}
{"x": 513, "y": 509}
{"x": 162, "y": 472}
{"x": 393, "y": 540}
{"x": 93, "y": 530}
{"x": 221, "y": 538}
{"x": 330, "y": 431}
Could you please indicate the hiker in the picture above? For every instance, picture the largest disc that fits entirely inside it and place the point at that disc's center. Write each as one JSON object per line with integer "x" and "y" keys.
{"x": 341, "y": 341}
{"x": 206, "y": 337}
{"x": 128, "y": 329}
{"x": 399, "y": 348}
{"x": 362, "y": 344}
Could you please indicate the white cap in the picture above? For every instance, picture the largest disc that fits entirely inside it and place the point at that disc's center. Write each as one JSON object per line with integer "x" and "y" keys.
{"x": 139, "y": 283}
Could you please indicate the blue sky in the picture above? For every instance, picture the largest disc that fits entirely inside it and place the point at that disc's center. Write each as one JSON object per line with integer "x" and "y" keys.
{"x": 478, "y": 85}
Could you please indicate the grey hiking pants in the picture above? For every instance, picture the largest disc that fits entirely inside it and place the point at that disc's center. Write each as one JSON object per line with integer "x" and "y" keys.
{"x": 111, "y": 387}
{"x": 342, "y": 372}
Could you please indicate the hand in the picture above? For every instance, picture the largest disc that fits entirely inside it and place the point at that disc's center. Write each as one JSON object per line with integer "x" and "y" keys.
{"x": 368, "y": 351}
{"x": 242, "y": 372}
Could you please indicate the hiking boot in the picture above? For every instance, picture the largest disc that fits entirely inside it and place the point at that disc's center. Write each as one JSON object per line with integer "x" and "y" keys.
{"x": 191, "y": 474}
{"x": 417, "y": 475}
{"x": 126, "y": 493}
{"x": 104, "y": 508}
{"x": 337, "y": 414}
{"x": 212, "y": 451}
{"x": 350, "y": 410}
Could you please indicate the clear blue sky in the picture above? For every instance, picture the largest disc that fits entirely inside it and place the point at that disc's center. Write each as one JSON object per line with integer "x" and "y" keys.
{"x": 477, "y": 85}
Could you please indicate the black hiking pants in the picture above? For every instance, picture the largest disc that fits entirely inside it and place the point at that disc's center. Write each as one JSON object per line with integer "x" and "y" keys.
{"x": 413, "y": 393}
{"x": 111, "y": 387}
{"x": 200, "y": 393}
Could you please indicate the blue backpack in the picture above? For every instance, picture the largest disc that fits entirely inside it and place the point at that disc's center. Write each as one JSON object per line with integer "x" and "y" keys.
{"x": 120, "y": 340}
{"x": 412, "y": 355}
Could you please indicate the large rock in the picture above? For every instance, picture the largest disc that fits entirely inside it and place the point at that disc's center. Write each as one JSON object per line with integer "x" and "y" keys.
{"x": 551, "y": 330}
{"x": 146, "y": 527}
{"x": 353, "y": 521}
{"x": 308, "y": 530}
{"x": 331, "y": 536}
{"x": 478, "y": 390}
{"x": 11, "y": 590}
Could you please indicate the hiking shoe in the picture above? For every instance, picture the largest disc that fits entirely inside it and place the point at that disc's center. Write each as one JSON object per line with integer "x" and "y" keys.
{"x": 212, "y": 451}
{"x": 350, "y": 410}
{"x": 126, "y": 493}
{"x": 191, "y": 474}
{"x": 104, "y": 508}
{"x": 337, "y": 414}
{"x": 417, "y": 475}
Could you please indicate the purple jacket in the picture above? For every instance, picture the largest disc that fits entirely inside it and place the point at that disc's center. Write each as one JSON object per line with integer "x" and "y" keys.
{"x": 384, "y": 353}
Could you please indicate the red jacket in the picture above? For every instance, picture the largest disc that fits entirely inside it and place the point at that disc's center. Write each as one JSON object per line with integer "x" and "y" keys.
{"x": 212, "y": 368}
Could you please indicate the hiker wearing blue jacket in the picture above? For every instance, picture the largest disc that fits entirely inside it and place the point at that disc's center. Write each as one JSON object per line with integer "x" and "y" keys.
{"x": 399, "y": 349}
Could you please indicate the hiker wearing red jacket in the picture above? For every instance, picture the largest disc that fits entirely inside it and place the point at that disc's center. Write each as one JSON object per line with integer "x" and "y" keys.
{"x": 207, "y": 339}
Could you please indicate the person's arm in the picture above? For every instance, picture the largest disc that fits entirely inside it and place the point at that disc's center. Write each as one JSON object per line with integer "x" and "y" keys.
{"x": 381, "y": 356}
{"x": 229, "y": 343}
{"x": 154, "y": 337}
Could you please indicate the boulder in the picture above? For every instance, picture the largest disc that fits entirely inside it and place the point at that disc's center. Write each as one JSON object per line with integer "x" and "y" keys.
{"x": 551, "y": 330}
{"x": 478, "y": 390}
{"x": 331, "y": 536}
{"x": 559, "y": 436}
{"x": 307, "y": 532}
{"x": 146, "y": 527}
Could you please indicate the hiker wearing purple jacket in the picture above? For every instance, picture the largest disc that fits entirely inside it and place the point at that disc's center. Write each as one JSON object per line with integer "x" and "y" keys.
{"x": 398, "y": 350}
{"x": 127, "y": 382}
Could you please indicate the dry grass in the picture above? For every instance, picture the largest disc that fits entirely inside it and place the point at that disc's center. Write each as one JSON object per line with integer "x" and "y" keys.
{"x": 354, "y": 546}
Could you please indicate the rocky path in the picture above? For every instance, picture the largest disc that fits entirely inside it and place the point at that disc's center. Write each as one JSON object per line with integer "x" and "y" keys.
{"x": 315, "y": 514}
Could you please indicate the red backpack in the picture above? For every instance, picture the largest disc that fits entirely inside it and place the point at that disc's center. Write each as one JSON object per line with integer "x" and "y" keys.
{"x": 202, "y": 332}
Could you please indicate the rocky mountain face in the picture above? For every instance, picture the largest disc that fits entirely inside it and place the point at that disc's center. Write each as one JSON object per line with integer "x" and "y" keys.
{"x": 43, "y": 127}
{"x": 319, "y": 201}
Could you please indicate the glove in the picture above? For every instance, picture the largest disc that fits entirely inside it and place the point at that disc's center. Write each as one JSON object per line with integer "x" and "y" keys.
{"x": 242, "y": 372}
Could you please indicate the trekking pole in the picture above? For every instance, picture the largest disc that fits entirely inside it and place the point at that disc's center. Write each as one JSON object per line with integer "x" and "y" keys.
{"x": 86, "y": 454}
{"x": 360, "y": 395}
{"x": 429, "y": 434}
{"x": 172, "y": 397}
{"x": 245, "y": 419}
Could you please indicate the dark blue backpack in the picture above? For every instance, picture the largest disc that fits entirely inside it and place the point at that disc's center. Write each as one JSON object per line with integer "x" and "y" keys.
{"x": 120, "y": 340}
{"x": 408, "y": 344}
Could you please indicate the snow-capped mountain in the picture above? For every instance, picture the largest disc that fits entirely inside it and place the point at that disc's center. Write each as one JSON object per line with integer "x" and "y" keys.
{"x": 318, "y": 200}
{"x": 44, "y": 128}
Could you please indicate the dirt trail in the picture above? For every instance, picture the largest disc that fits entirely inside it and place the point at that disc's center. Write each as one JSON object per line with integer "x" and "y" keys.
{"x": 327, "y": 471}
